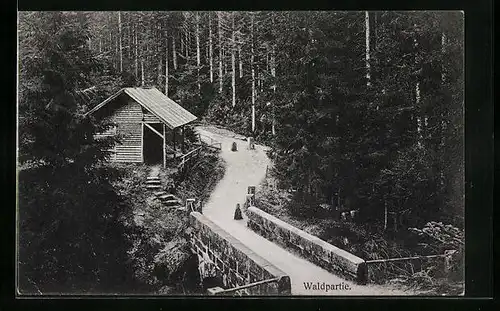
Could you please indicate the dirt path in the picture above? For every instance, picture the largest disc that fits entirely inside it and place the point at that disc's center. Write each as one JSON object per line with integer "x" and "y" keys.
{"x": 155, "y": 171}
{"x": 248, "y": 167}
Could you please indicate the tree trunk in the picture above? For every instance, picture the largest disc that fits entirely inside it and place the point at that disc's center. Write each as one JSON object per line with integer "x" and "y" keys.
{"x": 224, "y": 58}
{"x": 142, "y": 63}
{"x": 443, "y": 51}
{"x": 207, "y": 55}
{"x": 443, "y": 122}
{"x": 273, "y": 73}
{"x": 220, "y": 50}
{"x": 267, "y": 60}
{"x": 136, "y": 54}
{"x": 142, "y": 71}
{"x": 130, "y": 39}
{"x": 233, "y": 51}
{"x": 158, "y": 54}
{"x": 417, "y": 102}
{"x": 182, "y": 43}
{"x": 110, "y": 38}
{"x": 186, "y": 42}
{"x": 174, "y": 52}
{"x": 146, "y": 60}
{"x": 259, "y": 80}
{"x": 210, "y": 48}
{"x": 120, "y": 39}
{"x": 240, "y": 61}
{"x": 158, "y": 80}
{"x": 367, "y": 42}
{"x": 117, "y": 56}
{"x": 395, "y": 222}
{"x": 385, "y": 216}
{"x": 253, "y": 73}
{"x": 166, "y": 63}
{"x": 198, "y": 58}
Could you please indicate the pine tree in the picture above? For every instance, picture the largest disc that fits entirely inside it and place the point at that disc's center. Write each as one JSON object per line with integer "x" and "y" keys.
{"x": 70, "y": 237}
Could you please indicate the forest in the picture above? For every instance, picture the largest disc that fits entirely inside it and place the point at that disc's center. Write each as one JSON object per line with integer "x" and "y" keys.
{"x": 363, "y": 111}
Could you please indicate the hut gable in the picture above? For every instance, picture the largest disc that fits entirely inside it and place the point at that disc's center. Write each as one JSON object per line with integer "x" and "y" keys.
{"x": 128, "y": 112}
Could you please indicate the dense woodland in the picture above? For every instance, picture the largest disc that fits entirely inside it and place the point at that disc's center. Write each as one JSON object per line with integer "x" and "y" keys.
{"x": 363, "y": 110}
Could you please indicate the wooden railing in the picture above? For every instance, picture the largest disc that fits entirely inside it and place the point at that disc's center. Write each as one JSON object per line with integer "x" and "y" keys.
{"x": 234, "y": 290}
{"x": 185, "y": 158}
{"x": 387, "y": 264}
{"x": 407, "y": 258}
{"x": 213, "y": 143}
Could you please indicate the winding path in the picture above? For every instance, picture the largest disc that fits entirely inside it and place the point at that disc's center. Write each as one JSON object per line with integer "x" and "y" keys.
{"x": 248, "y": 167}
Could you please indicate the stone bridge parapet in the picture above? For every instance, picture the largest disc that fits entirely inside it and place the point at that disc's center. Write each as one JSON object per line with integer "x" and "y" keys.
{"x": 222, "y": 254}
{"x": 310, "y": 247}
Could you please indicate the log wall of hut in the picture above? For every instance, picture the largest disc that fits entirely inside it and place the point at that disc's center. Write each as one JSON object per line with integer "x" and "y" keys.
{"x": 128, "y": 118}
{"x": 110, "y": 132}
{"x": 148, "y": 117}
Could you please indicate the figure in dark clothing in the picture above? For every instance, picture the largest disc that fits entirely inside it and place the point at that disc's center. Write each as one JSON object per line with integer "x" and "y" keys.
{"x": 237, "y": 213}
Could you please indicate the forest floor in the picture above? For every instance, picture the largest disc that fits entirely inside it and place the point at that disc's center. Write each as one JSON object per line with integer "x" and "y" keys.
{"x": 245, "y": 168}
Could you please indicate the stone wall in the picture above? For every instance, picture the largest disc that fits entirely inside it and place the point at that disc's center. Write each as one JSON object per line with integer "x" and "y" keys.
{"x": 312, "y": 248}
{"x": 233, "y": 262}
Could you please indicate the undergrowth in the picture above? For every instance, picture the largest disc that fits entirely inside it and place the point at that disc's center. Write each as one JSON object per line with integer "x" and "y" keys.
{"x": 160, "y": 255}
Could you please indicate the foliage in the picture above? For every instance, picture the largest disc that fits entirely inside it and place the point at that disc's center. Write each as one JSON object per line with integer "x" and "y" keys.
{"x": 71, "y": 239}
{"x": 366, "y": 146}
{"x": 446, "y": 236}
{"x": 441, "y": 238}
{"x": 202, "y": 177}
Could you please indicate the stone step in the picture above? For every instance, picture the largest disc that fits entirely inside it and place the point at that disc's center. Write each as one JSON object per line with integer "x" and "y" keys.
{"x": 153, "y": 182}
{"x": 177, "y": 207}
{"x": 153, "y": 186}
{"x": 153, "y": 178}
{"x": 159, "y": 193}
{"x": 167, "y": 197}
{"x": 170, "y": 202}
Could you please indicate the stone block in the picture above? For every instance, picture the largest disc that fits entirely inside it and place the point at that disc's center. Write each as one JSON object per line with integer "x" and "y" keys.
{"x": 214, "y": 291}
{"x": 251, "y": 144}
{"x": 251, "y": 189}
{"x": 284, "y": 286}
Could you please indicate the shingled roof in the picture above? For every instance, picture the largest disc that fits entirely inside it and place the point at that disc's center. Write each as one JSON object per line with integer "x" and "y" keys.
{"x": 168, "y": 111}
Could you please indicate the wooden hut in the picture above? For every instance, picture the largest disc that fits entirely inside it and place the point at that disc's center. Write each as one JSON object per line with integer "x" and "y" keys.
{"x": 149, "y": 123}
